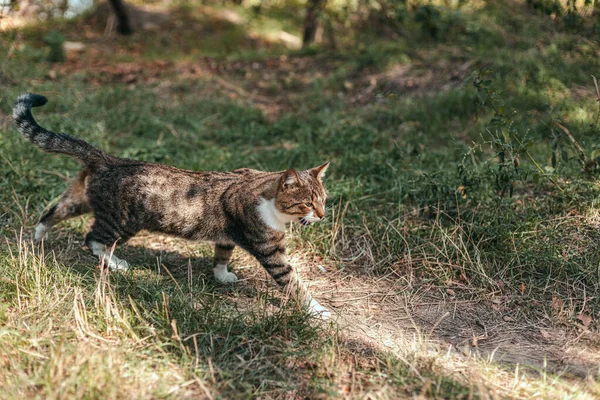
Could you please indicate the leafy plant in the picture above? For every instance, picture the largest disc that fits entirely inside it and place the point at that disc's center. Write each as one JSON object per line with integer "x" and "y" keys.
{"x": 430, "y": 18}
{"x": 55, "y": 41}
{"x": 508, "y": 144}
{"x": 547, "y": 7}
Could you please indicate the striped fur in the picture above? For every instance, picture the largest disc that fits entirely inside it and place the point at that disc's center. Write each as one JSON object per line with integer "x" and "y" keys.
{"x": 244, "y": 208}
{"x": 50, "y": 141}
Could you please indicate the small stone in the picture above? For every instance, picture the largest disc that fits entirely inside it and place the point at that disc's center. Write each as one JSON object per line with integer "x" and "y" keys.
{"x": 76, "y": 47}
{"x": 73, "y": 49}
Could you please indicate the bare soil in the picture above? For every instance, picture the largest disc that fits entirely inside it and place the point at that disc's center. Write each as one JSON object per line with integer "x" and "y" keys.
{"x": 388, "y": 314}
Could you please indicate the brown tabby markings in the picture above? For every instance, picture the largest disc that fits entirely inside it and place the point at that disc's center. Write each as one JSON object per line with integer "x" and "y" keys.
{"x": 247, "y": 208}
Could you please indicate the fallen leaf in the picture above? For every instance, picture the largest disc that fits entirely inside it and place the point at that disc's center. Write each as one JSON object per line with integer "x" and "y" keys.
{"x": 546, "y": 334}
{"x": 557, "y": 304}
{"x": 522, "y": 288}
{"x": 450, "y": 292}
{"x": 585, "y": 319}
{"x": 129, "y": 78}
{"x": 507, "y": 318}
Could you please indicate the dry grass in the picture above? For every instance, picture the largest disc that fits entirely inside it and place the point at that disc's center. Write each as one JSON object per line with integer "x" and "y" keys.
{"x": 434, "y": 294}
{"x": 64, "y": 324}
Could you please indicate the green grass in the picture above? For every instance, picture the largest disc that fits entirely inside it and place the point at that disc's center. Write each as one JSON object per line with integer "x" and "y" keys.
{"x": 414, "y": 199}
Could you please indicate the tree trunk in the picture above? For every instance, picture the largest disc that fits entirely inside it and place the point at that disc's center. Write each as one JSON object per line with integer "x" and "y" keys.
{"x": 330, "y": 33}
{"x": 123, "y": 26}
{"x": 63, "y": 7}
{"x": 310, "y": 21}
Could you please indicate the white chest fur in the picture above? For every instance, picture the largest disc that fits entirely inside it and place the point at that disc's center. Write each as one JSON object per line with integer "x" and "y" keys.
{"x": 272, "y": 216}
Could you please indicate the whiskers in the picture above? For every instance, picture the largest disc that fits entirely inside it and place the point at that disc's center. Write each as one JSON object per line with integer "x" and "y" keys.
{"x": 306, "y": 221}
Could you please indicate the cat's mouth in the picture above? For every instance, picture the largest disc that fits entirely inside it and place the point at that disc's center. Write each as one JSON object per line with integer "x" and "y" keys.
{"x": 305, "y": 222}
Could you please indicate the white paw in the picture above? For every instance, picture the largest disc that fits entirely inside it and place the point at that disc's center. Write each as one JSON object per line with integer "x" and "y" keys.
{"x": 318, "y": 310}
{"x": 116, "y": 264}
{"x": 224, "y": 276}
{"x": 229, "y": 278}
{"x": 40, "y": 232}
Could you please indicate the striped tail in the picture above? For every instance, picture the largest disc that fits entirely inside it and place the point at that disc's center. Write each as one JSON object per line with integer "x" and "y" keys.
{"x": 50, "y": 141}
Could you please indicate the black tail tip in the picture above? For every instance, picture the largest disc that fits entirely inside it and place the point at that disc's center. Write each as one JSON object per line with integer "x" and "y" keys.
{"x": 32, "y": 99}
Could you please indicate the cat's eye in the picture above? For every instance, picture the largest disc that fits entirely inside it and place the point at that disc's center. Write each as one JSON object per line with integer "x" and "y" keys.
{"x": 309, "y": 205}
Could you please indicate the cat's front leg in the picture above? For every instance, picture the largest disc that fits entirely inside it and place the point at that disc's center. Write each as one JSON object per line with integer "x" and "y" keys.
{"x": 273, "y": 259}
{"x": 223, "y": 253}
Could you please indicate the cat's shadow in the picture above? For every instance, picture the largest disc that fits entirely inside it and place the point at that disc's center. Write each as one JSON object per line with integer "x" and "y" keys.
{"x": 171, "y": 262}
{"x": 188, "y": 273}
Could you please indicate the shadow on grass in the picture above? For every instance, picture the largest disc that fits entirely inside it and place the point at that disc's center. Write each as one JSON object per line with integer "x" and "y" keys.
{"x": 244, "y": 341}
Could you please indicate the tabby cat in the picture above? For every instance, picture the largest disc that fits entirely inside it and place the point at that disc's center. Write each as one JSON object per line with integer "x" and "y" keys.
{"x": 245, "y": 208}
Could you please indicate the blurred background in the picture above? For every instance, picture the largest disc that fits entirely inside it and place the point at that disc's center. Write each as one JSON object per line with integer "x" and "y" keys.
{"x": 460, "y": 254}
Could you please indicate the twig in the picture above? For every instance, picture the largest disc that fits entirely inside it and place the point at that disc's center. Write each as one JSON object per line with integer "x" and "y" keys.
{"x": 354, "y": 298}
{"x": 573, "y": 141}
{"x": 110, "y": 24}
{"x": 437, "y": 303}
{"x": 174, "y": 280}
{"x": 13, "y": 45}
{"x": 537, "y": 165}
{"x": 439, "y": 320}
{"x": 61, "y": 176}
{"x": 239, "y": 90}
{"x": 597, "y": 99}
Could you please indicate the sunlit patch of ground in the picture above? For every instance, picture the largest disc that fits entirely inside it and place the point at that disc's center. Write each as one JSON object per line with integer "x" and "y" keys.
{"x": 474, "y": 337}
{"x": 416, "y": 308}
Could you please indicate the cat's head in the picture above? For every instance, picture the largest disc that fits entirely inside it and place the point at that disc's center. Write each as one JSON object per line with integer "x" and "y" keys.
{"x": 301, "y": 195}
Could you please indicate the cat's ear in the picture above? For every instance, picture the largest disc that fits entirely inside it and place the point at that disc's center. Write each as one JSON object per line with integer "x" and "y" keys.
{"x": 289, "y": 178}
{"x": 319, "y": 172}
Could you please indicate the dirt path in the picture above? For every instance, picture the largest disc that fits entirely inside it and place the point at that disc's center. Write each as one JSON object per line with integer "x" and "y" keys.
{"x": 387, "y": 315}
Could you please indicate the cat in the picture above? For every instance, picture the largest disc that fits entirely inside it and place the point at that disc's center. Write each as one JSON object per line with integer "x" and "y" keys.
{"x": 245, "y": 207}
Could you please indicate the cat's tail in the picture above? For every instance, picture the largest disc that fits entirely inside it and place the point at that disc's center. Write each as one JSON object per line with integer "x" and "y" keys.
{"x": 50, "y": 141}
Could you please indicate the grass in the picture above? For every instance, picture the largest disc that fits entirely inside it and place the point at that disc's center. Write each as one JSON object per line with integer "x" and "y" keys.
{"x": 442, "y": 286}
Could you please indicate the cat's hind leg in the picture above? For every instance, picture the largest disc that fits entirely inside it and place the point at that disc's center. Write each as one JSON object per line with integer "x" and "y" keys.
{"x": 105, "y": 252}
{"x": 223, "y": 253}
{"x": 73, "y": 203}
{"x": 102, "y": 241}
